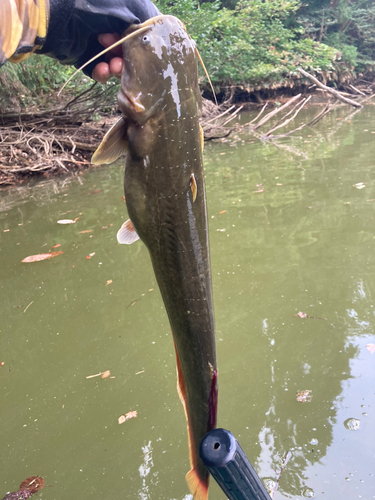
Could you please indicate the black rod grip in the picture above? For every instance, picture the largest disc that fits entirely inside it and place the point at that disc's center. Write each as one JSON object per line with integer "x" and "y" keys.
{"x": 229, "y": 466}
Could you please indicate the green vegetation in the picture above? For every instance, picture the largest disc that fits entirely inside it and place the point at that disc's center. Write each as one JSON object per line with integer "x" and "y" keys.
{"x": 251, "y": 44}
{"x": 31, "y": 82}
{"x": 258, "y": 43}
{"x": 347, "y": 25}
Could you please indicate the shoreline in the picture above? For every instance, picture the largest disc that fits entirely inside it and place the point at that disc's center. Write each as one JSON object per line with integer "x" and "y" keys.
{"x": 49, "y": 147}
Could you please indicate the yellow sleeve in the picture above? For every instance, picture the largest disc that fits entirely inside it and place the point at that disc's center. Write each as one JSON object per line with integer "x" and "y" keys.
{"x": 23, "y": 28}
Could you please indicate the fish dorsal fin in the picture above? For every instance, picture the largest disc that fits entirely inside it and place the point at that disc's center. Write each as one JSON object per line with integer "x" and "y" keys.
{"x": 113, "y": 145}
{"x": 127, "y": 233}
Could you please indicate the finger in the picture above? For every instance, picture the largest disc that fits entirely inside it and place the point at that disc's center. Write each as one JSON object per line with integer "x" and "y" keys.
{"x": 108, "y": 39}
{"x": 115, "y": 66}
{"x": 101, "y": 72}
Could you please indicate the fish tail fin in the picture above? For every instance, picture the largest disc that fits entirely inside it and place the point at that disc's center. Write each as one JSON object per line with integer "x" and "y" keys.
{"x": 197, "y": 485}
{"x": 197, "y": 480}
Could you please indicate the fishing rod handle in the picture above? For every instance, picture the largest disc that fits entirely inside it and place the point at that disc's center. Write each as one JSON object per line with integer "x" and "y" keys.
{"x": 226, "y": 461}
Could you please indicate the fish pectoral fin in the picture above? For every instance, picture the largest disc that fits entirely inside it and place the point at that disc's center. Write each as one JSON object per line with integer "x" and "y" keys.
{"x": 127, "y": 233}
{"x": 193, "y": 186}
{"x": 113, "y": 145}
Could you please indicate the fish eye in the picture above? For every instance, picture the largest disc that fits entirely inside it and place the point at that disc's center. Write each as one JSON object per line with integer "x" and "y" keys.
{"x": 146, "y": 39}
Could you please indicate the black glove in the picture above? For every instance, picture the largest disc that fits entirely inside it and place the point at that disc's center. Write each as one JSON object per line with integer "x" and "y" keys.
{"x": 74, "y": 27}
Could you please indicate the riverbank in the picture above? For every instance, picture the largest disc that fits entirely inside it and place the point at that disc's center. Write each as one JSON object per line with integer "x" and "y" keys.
{"x": 61, "y": 141}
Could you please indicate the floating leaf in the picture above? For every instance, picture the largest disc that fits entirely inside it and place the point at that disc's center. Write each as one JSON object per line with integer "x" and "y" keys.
{"x": 371, "y": 348}
{"x": 66, "y": 221}
{"x": 127, "y": 416}
{"x": 304, "y": 396}
{"x": 32, "y": 483}
{"x": 259, "y": 191}
{"x": 108, "y": 282}
{"x": 106, "y": 374}
{"x": 222, "y": 212}
{"x": 90, "y": 255}
{"x": 57, "y": 246}
{"x": 41, "y": 256}
{"x": 86, "y": 231}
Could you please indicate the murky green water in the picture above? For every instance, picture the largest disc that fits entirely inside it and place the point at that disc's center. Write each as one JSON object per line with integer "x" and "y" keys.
{"x": 306, "y": 243}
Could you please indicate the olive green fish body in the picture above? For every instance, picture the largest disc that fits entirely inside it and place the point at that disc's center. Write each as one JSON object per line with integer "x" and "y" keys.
{"x": 165, "y": 197}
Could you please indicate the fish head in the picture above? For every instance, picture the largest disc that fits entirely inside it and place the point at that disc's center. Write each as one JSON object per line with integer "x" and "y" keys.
{"x": 159, "y": 62}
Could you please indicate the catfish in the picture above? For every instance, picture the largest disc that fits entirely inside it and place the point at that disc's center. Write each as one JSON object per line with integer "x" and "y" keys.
{"x": 160, "y": 134}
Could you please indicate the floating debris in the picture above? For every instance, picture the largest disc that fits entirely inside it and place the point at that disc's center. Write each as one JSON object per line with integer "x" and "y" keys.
{"x": 352, "y": 424}
{"x": 27, "y": 488}
{"x": 304, "y": 396}
{"x": 127, "y": 416}
{"x": 104, "y": 374}
{"x": 303, "y": 315}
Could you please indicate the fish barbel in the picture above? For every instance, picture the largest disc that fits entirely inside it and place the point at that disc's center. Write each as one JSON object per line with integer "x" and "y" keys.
{"x": 159, "y": 130}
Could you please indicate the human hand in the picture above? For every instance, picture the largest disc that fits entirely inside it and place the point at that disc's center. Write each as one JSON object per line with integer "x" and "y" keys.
{"x": 78, "y": 30}
{"x": 103, "y": 71}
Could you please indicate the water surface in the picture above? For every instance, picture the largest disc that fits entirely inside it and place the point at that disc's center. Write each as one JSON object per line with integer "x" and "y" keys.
{"x": 290, "y": 232}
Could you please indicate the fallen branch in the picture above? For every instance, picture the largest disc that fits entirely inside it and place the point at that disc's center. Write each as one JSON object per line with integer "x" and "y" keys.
{"x": 357, "y": 90}
{"x": 330, "y": 90}
{"x": 300, "y": 105}
{"x": 232, "y": 116}
{"x": 276, "y": 111}
{"x": 218, "y": 116}
{"x": 319, "y": 116}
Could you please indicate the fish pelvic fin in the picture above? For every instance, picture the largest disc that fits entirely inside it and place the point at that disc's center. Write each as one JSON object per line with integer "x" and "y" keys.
{"x": 196, "y": 479}
{"x": 113, "y": 145}
{"x": 127, "y": 234}
{"x": 201, "y": 137}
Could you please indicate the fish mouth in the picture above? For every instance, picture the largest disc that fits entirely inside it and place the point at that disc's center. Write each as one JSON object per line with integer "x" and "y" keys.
{"x": 127, "y": 101}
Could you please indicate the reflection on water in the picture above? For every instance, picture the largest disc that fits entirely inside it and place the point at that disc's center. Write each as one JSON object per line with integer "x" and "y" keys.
{"x": 290, "y": 232}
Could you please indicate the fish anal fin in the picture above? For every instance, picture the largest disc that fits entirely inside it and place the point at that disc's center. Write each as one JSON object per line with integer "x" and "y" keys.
{"x": 197, "y": 484}
{"x": 113, "y": 145}
{"x": 127, "y": 234}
